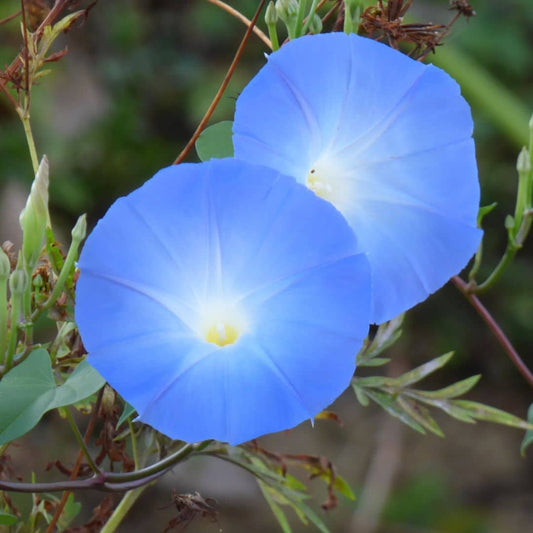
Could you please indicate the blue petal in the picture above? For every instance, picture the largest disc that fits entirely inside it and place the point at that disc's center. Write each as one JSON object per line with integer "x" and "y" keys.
{"x": 202, "y": 239}
{"x": 391, "y": 136}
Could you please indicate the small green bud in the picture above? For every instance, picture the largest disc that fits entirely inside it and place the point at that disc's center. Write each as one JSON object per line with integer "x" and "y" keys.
{"x": 34, "y": 217}
{"x": 287, "y": 9}
{"x": 5, "y": 266}
{"x": 523, "y": 163}
{"x": 316, "y": 24}
{"x": 509, "y": 222}
{"x": 18, "y": 282}
{"x": 271, "y": 15}
{"x": 80, "y": 229}
{"x": 38, "y": 282}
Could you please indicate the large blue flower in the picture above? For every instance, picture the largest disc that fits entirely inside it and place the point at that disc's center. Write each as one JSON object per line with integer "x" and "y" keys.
{"x": 222, "y": 306}
{"x": 387, "y": 140}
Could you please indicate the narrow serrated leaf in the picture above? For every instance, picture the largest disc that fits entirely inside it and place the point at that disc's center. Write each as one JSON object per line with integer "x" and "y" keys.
{"x": 362, "y": 398}
{"x": 374, "y": 361}
{"x": 444, "y": 405}
{"x": 342, "y": 487}
{"x": 452, "y": 391}
{"x": 386, "y": 335}
{"x": 484, "y": 412}
{"x": 422, "y": 371}
{"x": 393, "y": 409}
{"x": 421, "y": 415}
{"x": 276, "y": 509}
{"x": 372, "y": 381}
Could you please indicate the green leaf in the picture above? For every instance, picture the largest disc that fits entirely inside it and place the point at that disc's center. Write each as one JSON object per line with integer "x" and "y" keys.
{"x": 215, "y": 141}
{"x": 126, "y": 413}
{"x": 452, "y": 391}
{"x": 528, "y": 438}
{"x": 386, "y": 335}
{"x": 374, "y": 382}
{"x": 362, "y": 398}
{"x": 374, "y": 361}
{"x": 342, "y": 487}
{"x": 29, "y": 390}
{"x": 7, "y": 519}
{"x": 422, "y": 371}
{"x": 392, "y": 407}
{"x": 484, "y": 211}
{"x": 480, "y": 411}
{"x": 276, "y": 509}
{"x": 71, "y": 510}
{"x": 421, "y": 415}
{"x": 281, "y": 490}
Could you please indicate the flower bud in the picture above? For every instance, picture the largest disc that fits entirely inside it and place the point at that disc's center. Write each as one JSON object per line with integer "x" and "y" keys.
{"x": 316, "y": 24}
{"x": 34, "y": 217}
{"x": 80, "y": 229}
{"x": 287, "y": 9}
{"x": 271, "y": 15}
{"x": 5, "y": 266}
{"x": 523, "y": 163}
{"x": 18, "y": 282}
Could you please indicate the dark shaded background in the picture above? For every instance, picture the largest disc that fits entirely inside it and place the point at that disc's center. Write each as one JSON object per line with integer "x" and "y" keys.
{"x": 137, "y": 79}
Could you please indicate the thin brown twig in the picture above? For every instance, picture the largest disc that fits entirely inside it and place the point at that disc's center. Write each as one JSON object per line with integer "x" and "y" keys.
{"x": 77, "y": 466}
{"x": 26, "y": 58}
{"x": 505, "y": 343}
{"x": 10, "y": 17}
{"x": 12, "y": 101}
{"x": 223, "y": 86}
{"x": 441, "y": 36}
{"x": 329, "y": 13}
{"x": 52, "y": 16}
{"x": 246, "y": 21}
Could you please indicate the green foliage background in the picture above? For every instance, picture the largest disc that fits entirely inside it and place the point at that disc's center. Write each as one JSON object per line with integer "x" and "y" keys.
{"x": 137, "y": 79}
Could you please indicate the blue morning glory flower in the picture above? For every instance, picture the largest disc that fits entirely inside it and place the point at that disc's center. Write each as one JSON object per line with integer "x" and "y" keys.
{"x": 384, "y": 138}
{"x": 222, "y": 306}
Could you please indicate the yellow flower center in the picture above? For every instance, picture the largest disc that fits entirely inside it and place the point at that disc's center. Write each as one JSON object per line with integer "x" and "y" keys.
{"x": 221, "y": 334}
{"x": 319, "y": 184}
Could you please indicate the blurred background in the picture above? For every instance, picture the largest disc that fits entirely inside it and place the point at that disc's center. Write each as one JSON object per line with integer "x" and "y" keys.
{"x": 136, "y": 81}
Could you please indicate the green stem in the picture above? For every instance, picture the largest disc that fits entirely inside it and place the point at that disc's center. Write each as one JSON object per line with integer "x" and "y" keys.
{"x": 110, "y": 481}
{"x": 497, "y": 273}
{"x": 3, "y": 319}
{"x": 134, "y": 445}
{"x": 13, "y": 333}
{"x": 80, "y": 440}
{"x": 122, "y": 509}
{"x": 273, "y": 34}
{"x": 28, "y": 324}
{"x": 310, "y": 17}
{"x": 25, "y": 118}
{"x": 483, "y": 90}
{"x": 165, "y": 463}
{"x": 68, "y": 265}
{"x": 302, "y": 6}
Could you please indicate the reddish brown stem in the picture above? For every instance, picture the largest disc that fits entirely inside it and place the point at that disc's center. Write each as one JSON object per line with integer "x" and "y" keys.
{"x": 223, "y": 86}
{"x": 495, "y": 328}
{"x": 52, "y": 16}
{"x": 10, "y": 17}
{"x": 26, "y": 57}
{"x": 74, "y": 475}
